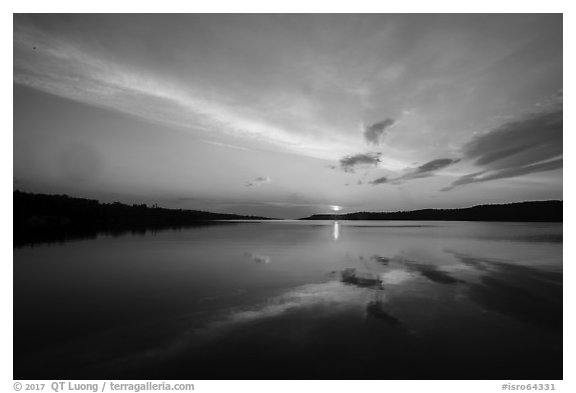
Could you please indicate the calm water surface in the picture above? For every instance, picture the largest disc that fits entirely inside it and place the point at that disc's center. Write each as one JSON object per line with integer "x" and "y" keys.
{"x": 295, "y": 300}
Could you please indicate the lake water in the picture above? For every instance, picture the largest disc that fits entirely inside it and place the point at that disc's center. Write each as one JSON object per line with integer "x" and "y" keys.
{"x": 294, "y": 300}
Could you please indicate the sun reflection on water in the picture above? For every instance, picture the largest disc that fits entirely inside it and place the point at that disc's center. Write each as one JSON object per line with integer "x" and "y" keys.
{"x": 336, "y": 230}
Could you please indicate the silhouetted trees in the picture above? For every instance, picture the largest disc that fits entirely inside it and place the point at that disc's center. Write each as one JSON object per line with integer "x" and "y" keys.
{"x": 39, "y": 217}
{"x": 536, "y": 211}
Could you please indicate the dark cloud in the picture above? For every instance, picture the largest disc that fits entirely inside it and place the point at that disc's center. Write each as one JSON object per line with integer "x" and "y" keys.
{"x": 435, "y": 165}
{"x": 526, "y": 141}
{"x": 516, "y": 148}
{"x": 350, "y": 163}
{"x": 425, "y": 170}
{"x": 506, "y": 173}
{"x": 380, "y": 180}
{"x": 375, "y": 132}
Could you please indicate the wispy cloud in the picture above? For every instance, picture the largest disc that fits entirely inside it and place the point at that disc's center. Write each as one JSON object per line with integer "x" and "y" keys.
{"x": 350, "y": 163}
{"x": 227, "y": 145}
{"x": 62, "y": 68}
{"x": 374, "y": 133}
{"x": 314, "y": 87}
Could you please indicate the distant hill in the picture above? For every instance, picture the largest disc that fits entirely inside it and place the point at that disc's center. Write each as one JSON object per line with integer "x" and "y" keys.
{"x": 535, "y": 211}
{"x": 41, "y": 217}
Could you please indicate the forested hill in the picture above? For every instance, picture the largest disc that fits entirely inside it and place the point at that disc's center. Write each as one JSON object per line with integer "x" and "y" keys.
{"x": 535, "y": 211}
{"x": 41, "y": 216}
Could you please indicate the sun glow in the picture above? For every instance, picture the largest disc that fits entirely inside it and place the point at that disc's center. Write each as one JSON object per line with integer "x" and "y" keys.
{"x": 335, "y": 208}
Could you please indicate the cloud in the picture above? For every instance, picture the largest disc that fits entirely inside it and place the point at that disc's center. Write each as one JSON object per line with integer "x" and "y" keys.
{"x": 380, "y": 180}
{"x": 516, "y": 148}
{"x": 227, "y": 145}
{"x": 350, "y": 163}
{"x": 435, "y": 165}
{"x": 375, "y": 132}
{"x": 425, "y": 170}
{"x": 261, "y": 180}
{"x": 506, "y": 173}
{"x": 520, "y": 142}
{"x": 62, "y": 67}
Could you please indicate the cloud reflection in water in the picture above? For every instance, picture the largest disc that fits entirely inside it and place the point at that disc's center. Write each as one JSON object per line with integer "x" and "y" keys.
{"x": 260, "y": 259}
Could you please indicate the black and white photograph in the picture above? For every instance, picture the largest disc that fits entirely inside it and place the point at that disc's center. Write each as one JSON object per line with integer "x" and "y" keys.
{"x": 288, "y": 196}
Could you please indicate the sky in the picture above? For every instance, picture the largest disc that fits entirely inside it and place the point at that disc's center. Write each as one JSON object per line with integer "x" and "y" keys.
{"x": 289, "y": 115}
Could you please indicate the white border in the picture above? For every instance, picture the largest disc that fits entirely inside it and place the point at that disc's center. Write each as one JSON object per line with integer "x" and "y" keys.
{"x": 293, "y": 6}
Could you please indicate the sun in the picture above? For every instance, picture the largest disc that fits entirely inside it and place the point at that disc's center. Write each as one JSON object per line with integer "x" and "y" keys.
{"x": 335, "y": 208}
